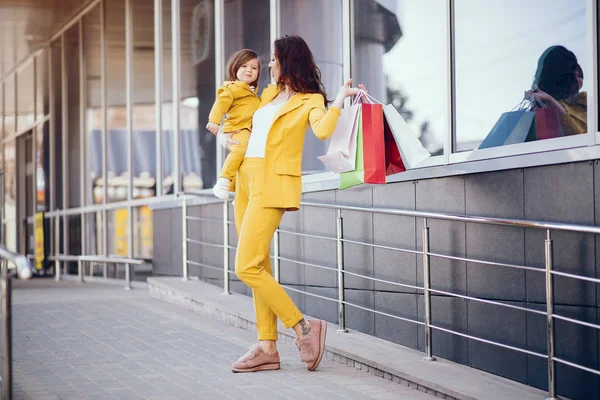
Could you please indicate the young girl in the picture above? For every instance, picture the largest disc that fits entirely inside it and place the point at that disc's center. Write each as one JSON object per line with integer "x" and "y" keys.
{"x": 238, "y": 100}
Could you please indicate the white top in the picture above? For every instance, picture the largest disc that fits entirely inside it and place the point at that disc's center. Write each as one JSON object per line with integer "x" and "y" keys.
{"x": 261, "y": 124}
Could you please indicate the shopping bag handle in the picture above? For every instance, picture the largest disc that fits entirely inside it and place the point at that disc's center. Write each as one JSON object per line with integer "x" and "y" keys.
{"x": 366, "y": 97}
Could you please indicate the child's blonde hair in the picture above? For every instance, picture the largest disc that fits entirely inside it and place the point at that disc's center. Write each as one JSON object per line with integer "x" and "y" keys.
{"x": 238, "y": 59}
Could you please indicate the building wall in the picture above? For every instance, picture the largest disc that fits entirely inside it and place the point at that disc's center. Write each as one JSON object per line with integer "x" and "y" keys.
{"x": 564, "y": 193}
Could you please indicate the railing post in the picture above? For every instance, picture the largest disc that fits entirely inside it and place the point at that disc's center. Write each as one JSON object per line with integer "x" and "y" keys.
{"x": 340, "y": 269}
{"x": 550, "y": 318}
{"x": 7, "y": 336}
{"x": 226, "y": 248}
{"x": 276, "y": 255}
{"x": 127, "y": 276}
{"x": 79, "y": 271}
{"x": 184, "y": 237}
{"x": 426, "y": 292}
{"x": 57, "y": 248}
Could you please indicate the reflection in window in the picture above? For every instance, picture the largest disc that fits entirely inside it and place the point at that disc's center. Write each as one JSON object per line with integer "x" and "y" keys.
{"x": 399, "y": 54}
{"x": 41, "y": 133}
{"x": 197, "y": 145}
{"x": 495, "y": 67}
{"x": 10, "y": 195}
{"x": 324, "y": 37}
{"x": 25, "y": 97}
{"x": 9, "y": 107}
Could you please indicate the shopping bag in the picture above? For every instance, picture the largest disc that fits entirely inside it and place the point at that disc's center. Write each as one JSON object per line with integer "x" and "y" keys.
{"x": 356, "y": 176}
{"x": 373, "y": 143}
{"x": 524, "y": 131}
{"x": 502, "y": 129}
{"x": 547, "y": 123}
{"x": 411, "y": 149}
{"x": 341, "y": 154}
{"x": 393, "y": 159}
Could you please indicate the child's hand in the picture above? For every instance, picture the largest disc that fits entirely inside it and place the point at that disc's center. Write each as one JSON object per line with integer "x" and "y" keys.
{"x": 213, "y": 128}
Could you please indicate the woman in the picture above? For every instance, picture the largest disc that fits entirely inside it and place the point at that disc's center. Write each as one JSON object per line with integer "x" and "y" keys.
{"x": 558, "y": 81}
{"x": 268, "y": 183}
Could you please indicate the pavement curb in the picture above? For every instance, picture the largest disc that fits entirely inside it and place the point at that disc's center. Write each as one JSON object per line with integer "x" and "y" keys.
{"x": 442, "y": 378}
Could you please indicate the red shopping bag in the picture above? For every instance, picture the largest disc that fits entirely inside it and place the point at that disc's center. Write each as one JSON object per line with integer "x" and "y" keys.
{"x": 393, "y": 159}
{"x": 373, "y": 143}
{"x": 547, "y": 123}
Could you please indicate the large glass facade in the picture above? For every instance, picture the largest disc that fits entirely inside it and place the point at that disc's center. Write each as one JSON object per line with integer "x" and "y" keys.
{"x": 399, "y": 54}
{"x": 452, "y": 69}
{"x": 516, "y": 47}
{"x": 324, "y": 35}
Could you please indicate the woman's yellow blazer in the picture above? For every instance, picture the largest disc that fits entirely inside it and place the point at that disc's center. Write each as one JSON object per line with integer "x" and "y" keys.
{"x": 282, "y": 186}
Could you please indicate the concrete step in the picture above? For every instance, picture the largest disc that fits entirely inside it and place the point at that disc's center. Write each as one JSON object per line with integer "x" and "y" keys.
{"x": 442, "y": 378}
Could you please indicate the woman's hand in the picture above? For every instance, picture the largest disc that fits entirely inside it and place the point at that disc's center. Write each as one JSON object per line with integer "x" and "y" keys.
{"x": 345, "y": 91}
{"x": 548, "y": 100}
{"x": 213, "y": 128}
{"x": 225, "y": 140}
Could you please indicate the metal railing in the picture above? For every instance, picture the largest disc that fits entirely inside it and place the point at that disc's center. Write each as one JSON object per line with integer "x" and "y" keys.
{"x": 548, "y": 271}
{"x": 23, "y": 270}
{"x": 93, "y": 259}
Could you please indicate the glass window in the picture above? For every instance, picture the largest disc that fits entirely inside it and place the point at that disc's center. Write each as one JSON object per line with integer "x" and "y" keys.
{"x": 247, "y": 26}
{"x": 10, "y": 195}
{"x": 25, "y": 97}
{"x": 400, "y": 56}
{"x": 42, "y": 133}
{"x": 56, "y": 166}
{"x": 9, "y": 107}
{"x": 198, "y": 161}
{"x": 116, "y": 97}
{"x": 74, "y": 169}
{"x": 42, "y": 92}
{"x": 320, "y": 24}
{"x": 503, "y": 49}
{"x": 144, "y": 118}
{"x": 93, "y": 88}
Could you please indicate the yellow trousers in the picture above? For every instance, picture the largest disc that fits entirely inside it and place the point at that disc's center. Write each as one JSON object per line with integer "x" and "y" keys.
{"x": 255, "y": 226}
{"x": 234, "y": 159}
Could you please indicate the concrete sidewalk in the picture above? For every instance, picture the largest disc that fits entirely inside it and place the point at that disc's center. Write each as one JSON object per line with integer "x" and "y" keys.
{"x": 379, "y": 357}
{"x": 97, "y": 341}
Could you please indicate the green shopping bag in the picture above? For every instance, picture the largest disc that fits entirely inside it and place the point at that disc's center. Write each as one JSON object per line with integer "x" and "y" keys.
{"x": 356, "y": 177}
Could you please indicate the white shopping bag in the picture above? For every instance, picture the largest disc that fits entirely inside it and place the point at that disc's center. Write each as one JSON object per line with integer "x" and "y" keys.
{"x": 341, "y": 154}
{"x": 411, "y": 150}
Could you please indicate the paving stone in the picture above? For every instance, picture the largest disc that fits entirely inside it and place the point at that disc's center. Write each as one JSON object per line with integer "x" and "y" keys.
{"x": 116, "y": 345}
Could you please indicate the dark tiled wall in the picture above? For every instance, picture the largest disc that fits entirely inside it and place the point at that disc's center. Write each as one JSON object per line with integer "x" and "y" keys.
{"x": 563, "y": 193}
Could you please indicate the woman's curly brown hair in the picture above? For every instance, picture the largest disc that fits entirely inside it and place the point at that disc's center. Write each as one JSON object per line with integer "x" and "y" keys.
{"x": 299, "y": 70}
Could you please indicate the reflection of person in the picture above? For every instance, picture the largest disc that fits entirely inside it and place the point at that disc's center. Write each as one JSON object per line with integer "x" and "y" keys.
{"x": 238, "y": 100}
{"x": 268, "y": 183}
{"x": 558, "y": 81}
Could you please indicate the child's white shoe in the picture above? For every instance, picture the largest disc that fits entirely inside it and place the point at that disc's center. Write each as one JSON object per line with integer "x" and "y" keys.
{"x": 221, "y": 189}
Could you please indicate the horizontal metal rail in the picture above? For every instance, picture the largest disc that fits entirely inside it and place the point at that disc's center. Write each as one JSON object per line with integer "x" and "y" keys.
{"x": 204, "y": 219}
{"x": 146, "y": 201}
{"x": 200, "y": 242}
{"x": 579, "y": 277}
{"x": 559, "y": 226}
{"x": 572, "y": 364}
{"x": 212, "y": 267}
{"x": 480, "y": 300}
{"x": 506, "y": 346}
{"x": 492, "y": 263}
{"x": 382, "y": 280}
{"x": 305, "y": 235}
{"x": 306, "y": 264}
{"x": 378, "y": 246}
{"x": 413, "y": 321}
{"x": 576, "y": 321}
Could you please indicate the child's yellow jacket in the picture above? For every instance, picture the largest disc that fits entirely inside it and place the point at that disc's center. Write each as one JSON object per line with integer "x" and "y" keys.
{"x": 238, "y": 101}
